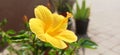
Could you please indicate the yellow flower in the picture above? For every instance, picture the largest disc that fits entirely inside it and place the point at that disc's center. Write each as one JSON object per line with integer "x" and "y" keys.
{"x": 51, "y": 28}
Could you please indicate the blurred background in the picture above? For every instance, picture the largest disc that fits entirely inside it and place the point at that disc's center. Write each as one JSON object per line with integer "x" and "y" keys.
{"x": 14, "y": 11}
{"x": 104, "y": 26}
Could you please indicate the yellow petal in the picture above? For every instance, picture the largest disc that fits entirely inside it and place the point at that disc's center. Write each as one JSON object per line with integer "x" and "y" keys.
{"x": 36, "y": 26}
{"x": 55, "y": 42}
{"x": 67, "y": 36}
{"x": 44, "y": 14}
{"x": 41, "y": 37}
{"x": 62, "y": 23}
{"x": 57, "y": 19}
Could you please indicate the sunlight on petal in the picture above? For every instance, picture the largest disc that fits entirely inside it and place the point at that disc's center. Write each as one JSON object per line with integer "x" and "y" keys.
{"x": 44, "y": 14}
{"x": 67, "y": 36}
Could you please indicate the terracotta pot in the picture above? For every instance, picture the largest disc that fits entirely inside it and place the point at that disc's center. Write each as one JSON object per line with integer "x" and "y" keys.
{"x": 81, "y": 26}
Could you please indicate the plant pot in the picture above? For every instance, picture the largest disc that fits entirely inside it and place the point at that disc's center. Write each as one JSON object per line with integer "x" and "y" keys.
{"x": 81, "y": 26}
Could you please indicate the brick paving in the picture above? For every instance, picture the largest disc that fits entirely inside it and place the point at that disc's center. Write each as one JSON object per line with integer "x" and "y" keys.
{"x": 104, "y": 27}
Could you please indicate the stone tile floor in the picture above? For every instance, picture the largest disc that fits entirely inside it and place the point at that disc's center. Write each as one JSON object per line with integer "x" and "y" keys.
{"x": 104, "y": 27}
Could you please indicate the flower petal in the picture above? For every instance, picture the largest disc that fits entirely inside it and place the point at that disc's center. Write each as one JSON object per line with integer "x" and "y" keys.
{"x": 57, "y": 19}
{"x": 62, "y": 23}
{"x": 44, "y": 14}
{"x": 67, "y": 36}
{"x": 41, "y": 37}
{"x": 36, "y": 26}
{"x": 55, "y": 42}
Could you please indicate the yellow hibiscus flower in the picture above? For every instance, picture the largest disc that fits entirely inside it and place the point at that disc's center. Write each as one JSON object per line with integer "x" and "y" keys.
{"x": 51, "y": 28}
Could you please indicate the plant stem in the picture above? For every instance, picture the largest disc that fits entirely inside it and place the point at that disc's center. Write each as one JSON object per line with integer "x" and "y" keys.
{"x": 62, "y": 52}
{"x": 73, "y": 51}
{"x": 35, "y": 52}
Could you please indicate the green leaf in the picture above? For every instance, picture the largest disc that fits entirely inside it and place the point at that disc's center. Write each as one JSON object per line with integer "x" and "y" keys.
{"x": 87, "y": 43}
{"x": 74, "y": 44}
{"x": 5, "y": 37}
{"x": 20, "y": 38}
{"x": 77, "y": 5}
{"x": 21, "y": 32}
{"x": 83, "y": 12}
{"x": 10, "y": 32}
{"x": 87, "y": 13}
{"x": 83, "y": 4}
{"x": 17, "y": 37}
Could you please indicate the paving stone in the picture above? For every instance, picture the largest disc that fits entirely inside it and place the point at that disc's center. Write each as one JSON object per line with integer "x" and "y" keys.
{"x": 117, "y": 36}
{"x": 91, "y": 52}
{"x": 109, "y": 43}
{"x": 101, "y": 49}
{"x": 104, "y": 27}
{"x": 98, "y": 38}
{"x": 104, "y": 36}
{"x": 116, "y": 49}
{"x": 109, "y": 53}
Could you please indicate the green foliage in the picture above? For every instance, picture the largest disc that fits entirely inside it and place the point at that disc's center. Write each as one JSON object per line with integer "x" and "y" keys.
{"x": 11, "y": 32}
{"x": 82, "y": 13}
{"x": 87, "y": 43}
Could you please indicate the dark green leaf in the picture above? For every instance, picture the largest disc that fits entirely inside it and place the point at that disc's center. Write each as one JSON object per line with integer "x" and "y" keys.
{"x": 87, "y": 43}
{"x": 74, "y": 44}
{"x": 80, "y": 41}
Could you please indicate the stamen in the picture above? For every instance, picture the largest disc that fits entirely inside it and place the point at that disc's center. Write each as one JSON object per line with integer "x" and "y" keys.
{"x": 68, "y": 15}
